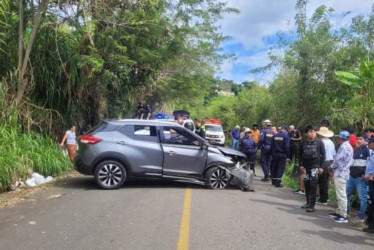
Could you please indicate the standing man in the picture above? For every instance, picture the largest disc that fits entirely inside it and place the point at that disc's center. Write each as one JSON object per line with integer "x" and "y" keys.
{"x": 235, "y": 136}
{"x": 280, "y": 154}
{"x": 340, "y": 167}
{"x": 249, "y": 148}
{"x": 356, "y": 175}
{"x": 178, "y": 120}
{"x": 199, "y": 128}
{"x": 266, "y": 139}
{"x": 311, "y": 159}
{"x": 369, "y": 177}
{"x": 323, "y": 178}
{"x": 255, "y": 133}
{"x": 295, "y": 139}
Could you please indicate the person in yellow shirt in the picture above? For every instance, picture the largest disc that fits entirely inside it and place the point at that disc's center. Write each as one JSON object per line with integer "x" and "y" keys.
{"x": 255, "y": 133}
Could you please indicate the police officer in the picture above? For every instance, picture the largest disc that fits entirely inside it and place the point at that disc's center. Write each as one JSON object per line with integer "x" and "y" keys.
{"x": 280, "y": 153}
{"x": 311, "y": 160}
{"x": 200, "y": 128}
{"x": 249, "y": 148}
{"x": 266, "y": 138}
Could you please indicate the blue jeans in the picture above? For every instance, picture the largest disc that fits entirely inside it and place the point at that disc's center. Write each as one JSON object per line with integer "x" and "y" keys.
{"x": 235, "y": 144}
{"x": 358, "y": 185}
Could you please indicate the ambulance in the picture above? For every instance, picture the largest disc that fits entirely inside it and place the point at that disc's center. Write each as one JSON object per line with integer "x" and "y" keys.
{"x": 214, "y": 132}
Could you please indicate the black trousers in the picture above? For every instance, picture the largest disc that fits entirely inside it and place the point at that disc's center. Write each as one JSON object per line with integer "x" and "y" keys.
{"x": 294, "y": 153}
{"x": 323, "y": 182}
{"x": 370, "y": 219}
{"x": 278, "y": 165}
{"x": 310, "y": 181}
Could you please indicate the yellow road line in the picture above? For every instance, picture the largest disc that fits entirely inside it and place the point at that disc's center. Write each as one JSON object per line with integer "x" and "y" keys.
{"x": 184, "y": 233}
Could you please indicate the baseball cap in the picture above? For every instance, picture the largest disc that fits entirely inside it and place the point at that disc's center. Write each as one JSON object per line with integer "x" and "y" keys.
{"x": 343, "y": 135}
{"x": 247, "y": 130}
{"x": 284, "y": 127}
{"x": 370, "y": 139}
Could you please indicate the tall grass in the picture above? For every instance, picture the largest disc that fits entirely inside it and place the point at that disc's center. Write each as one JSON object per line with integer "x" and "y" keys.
{"x": 20, "y": 152}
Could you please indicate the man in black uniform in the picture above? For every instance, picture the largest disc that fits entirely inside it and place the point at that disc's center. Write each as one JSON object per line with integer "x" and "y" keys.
{"x": 280, "y": 153}
{"x": 311, "y": 159}
{"x": 295, "y": 139}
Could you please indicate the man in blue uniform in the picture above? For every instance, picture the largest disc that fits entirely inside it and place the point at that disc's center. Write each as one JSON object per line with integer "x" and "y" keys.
{"x": 249, "y": 148}
{"x": 266, "y": 138}
{"x": 280, "y": 153}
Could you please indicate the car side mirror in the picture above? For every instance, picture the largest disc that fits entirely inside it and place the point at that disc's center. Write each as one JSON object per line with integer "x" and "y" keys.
{"x": 204, "y": 145}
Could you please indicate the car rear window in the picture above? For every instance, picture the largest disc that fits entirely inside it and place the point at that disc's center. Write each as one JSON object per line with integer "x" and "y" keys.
{"x": 98, "y": 128}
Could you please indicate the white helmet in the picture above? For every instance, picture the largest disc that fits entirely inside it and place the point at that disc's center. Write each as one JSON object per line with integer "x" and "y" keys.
{"x": 266, "y": 122}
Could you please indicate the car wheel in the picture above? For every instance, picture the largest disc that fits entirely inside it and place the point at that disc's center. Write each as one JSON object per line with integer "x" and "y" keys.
{"x": 110, "y": 175}
{"x": 216, "y": 178}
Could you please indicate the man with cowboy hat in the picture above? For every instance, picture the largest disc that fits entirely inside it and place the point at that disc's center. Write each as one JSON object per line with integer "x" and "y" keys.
{"x": 235, "y": 136}
{"x": 323, "y": 176}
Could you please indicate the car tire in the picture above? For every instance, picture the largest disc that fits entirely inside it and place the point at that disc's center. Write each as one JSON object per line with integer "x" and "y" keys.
{"x": 110, "y": 175}
{"x": 216, "y": 178}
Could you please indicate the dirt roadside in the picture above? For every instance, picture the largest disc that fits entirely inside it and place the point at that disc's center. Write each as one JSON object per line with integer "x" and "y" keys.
{"x": 11, "y": 198}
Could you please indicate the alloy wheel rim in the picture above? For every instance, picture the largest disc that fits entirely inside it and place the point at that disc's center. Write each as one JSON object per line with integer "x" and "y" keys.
{"x": 219, "y": 179}
{"x": 110, "y": 175}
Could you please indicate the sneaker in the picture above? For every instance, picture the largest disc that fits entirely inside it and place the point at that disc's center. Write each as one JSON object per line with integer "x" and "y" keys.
{"x": 334, "y": 215}
{"x": 299, "y": 191}
{"x": 323, "y": 203}
{"x": 265, "y": 179}
{"x": 307, "y": 205}
{"x": 341, "y": 219}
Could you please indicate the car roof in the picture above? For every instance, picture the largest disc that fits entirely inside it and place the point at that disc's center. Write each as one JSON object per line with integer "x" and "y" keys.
{"x": 142, "y": 122}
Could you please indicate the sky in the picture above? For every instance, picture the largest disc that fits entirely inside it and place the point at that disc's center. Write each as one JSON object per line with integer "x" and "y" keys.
{"x": 255, "y": 30}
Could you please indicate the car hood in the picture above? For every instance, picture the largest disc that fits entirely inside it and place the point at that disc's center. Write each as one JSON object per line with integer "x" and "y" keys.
{"x": 229, "y": 151}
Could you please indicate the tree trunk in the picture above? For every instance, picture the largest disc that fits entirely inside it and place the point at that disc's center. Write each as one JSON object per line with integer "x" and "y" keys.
{"x": 20, "y": 41}
{"x": 22, "y": 83}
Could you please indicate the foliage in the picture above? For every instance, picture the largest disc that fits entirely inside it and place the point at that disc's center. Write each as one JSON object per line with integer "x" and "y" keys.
{"x": 20, "y": 152}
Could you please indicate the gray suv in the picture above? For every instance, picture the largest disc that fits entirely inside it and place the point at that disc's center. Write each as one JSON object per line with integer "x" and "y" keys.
{"x": 118, "y": 150}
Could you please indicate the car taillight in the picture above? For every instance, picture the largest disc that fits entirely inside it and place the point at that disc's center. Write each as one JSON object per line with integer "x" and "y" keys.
{"x": 89, "y": 139}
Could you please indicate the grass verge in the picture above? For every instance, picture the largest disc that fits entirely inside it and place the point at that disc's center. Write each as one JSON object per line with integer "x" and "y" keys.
{"x": 21, "y": 152}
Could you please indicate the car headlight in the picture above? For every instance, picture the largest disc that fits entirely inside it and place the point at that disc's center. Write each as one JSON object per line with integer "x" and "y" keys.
{"x": 221, "y": 136}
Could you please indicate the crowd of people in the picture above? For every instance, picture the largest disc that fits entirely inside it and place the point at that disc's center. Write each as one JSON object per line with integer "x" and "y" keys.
{"x": 143, "y": 112}
{"x": 349, "y": 161}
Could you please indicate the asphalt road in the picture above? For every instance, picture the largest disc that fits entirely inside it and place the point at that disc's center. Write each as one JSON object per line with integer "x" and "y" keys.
{"x": 75, "y": 214}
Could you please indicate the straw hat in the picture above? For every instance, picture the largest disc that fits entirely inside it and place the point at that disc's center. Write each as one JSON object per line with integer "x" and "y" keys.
{"x": 325, "y": 132}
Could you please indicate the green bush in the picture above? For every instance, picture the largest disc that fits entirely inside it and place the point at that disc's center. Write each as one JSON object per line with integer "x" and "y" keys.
{"x": 22, "y": 151}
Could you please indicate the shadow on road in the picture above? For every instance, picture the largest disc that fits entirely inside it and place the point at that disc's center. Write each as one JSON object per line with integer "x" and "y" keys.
{"x": 88, "y": 183}
{"x": 339, "y": 237}
{"x": 319, "y": 218}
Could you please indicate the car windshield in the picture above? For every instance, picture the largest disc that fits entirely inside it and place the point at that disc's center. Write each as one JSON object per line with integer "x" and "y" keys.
{"x": 213, "y": 128}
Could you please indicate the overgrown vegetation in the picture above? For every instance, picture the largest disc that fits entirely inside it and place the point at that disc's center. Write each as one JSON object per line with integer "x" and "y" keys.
{"x": 22, "y": 152}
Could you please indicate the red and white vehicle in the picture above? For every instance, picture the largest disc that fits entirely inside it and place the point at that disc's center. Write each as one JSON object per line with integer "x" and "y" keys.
{"x": 214, "y": 131}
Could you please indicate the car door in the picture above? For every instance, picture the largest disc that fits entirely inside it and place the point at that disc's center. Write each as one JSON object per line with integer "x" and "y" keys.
{"x": 183, "y": 154}
{"x": 142, "y": 149}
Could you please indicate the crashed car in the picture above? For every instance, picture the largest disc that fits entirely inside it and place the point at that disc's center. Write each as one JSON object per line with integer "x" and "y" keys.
{"x": 119, "y": 150}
